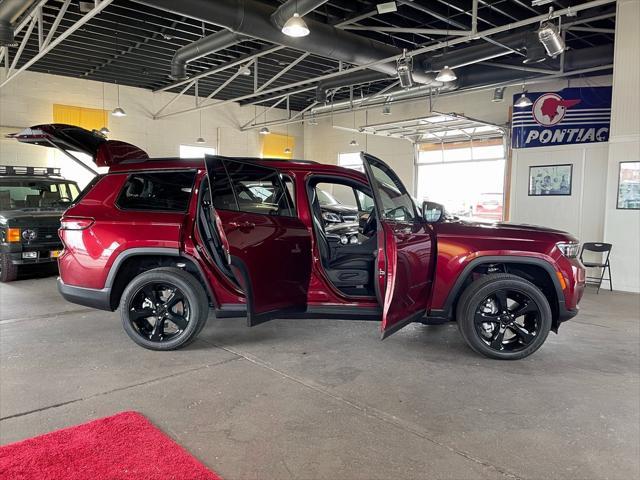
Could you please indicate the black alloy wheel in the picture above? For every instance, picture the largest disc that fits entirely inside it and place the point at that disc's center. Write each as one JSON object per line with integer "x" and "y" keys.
{"x": 159, "y": 312}
{"x": 504, "y": 316}
{"x": 164, "y": 308}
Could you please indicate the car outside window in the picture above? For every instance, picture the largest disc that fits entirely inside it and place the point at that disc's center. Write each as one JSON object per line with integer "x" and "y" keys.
{"x": 253, "y": 189}
{"x": 161, "y": 191}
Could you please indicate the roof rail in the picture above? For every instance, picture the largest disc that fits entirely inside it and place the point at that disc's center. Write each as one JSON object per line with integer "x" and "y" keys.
{"x": 17, "y": 170}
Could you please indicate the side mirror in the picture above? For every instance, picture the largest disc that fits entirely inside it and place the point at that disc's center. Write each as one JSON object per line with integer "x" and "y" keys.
{"x": 432, "y": 212}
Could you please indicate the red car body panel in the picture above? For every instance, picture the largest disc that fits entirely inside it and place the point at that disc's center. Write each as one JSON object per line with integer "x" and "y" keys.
{"x": 91, "y": 255}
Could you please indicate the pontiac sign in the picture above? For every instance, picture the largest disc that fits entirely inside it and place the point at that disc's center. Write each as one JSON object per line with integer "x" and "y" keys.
{"x": 570, "y": 116}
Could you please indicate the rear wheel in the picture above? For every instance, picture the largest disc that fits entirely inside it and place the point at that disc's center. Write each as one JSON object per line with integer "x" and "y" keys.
{"x": 504, "y": 316}
{"x": 164, "y": 309}
{"x": 8, "y": 271}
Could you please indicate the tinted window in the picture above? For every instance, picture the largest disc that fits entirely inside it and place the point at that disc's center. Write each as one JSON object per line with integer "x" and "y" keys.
{"x": 166, "y": 191}
{"x": 251, "y": 188}
{"x": 396, "y": 203}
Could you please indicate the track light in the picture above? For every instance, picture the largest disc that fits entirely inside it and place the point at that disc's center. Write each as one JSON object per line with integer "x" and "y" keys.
{"x": 264, "y": 131}
{"x": 550, "y": 37}
{"x": 498, "y": 95}
{"x": 353, "y": 143}
{"x": 404, "y": 67}
{"x": 446, "y": 75}
{"x": 295, "y": 26}
{"x": 523, "y": 101}
{"x": 386, "y": 109}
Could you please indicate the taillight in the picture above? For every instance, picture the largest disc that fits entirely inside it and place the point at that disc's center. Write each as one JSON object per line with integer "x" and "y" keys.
{"x": 71, "y": 223}
{"x": 13, "y": 235}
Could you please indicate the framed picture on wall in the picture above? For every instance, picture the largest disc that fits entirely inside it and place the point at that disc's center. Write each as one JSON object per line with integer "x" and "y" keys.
{"x": 629, "y": 186}
{"x": 546, "y": 180}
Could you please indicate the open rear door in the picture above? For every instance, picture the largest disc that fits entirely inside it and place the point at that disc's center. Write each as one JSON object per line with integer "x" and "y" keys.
{"x": 405, "y": 249}
{"x": 268, "y": 247}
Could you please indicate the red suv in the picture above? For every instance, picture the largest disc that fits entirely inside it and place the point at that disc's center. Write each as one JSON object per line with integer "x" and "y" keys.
{"x": 167, "y": 239}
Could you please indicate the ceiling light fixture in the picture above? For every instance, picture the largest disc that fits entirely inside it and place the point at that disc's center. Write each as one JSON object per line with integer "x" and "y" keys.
{"x": 295, "y": 26}
{"x": 386, "y": 109}
{"x": 118, "y": 111}
{"x": 104, "y": 130}
{"x": 244, "y": 70}
{"x": 404, "y": 67}
{"x": 264, "y": 131}
{"x": 446, "y": 75}
{"x": 386, "y": 7}
{"x": 287, "y": 150}
{"x": 523, "y": 101}
{"x": 550, "y": 37}
{"x": 353, "y": 142}
{"x": 200, "y": 138}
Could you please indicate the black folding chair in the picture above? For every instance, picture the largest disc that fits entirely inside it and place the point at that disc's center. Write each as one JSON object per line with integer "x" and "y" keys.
{"x": 599, "y": 249}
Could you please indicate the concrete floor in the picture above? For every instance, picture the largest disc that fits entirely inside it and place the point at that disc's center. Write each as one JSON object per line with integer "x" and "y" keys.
{"x": 326, "y": 399}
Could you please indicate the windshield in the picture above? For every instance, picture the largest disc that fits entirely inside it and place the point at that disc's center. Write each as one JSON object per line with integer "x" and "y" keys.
{"x": 22, "y": 193}
{"x": 325, "y": 198}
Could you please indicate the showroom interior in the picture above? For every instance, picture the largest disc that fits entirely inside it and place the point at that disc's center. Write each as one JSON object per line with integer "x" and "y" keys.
{"x": 493, "y": 113}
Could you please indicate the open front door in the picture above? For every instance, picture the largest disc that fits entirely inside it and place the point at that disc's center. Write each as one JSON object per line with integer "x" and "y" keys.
{"x": 404, "y": 269}
{"x": 267, "y": 246}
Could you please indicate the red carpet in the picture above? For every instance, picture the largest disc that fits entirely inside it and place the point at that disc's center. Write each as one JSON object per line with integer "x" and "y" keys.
{"x": 122, "y": 447}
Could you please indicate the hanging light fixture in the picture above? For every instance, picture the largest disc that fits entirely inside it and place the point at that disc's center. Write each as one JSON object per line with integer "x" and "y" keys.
{"x": 104, "y": 130}
{"x": 244, "y": 70}
{"x": 264, "y": 131}
{"x": 353, "y": 142}
{"x": 295, "y": 26}
{"x": 404, "y": 68}
{"x": 118, "y": 111}
{"x": 200, "y": 138}
{"x": 550, "y": 37}
{"x": 446, "y": 75}
{"x": 287, "y": 150}
{"x": 523, "y": 101}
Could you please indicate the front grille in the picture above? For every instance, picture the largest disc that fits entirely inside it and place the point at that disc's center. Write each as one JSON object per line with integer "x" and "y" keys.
{"x": 49, "y": 232}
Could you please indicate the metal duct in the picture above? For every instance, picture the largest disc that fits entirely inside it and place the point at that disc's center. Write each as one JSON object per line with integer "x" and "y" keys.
{"x": 285, "y": 11}
{"x": 200, "y": 48}
{"x": 10, "y": 11}
{"x": 253, "y": 18}
{"x": 355, "y": 78}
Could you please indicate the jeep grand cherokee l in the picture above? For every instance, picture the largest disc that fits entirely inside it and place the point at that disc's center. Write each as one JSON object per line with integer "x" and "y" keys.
{"x": 165, "y": 240}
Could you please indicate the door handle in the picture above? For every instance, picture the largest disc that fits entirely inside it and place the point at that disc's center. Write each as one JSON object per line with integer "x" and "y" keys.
{"x": 242, "y": 226}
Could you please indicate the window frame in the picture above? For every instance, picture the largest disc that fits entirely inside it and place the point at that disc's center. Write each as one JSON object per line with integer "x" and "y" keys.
{"x": 146, "y": 210}
{"x": 279, "y": 174}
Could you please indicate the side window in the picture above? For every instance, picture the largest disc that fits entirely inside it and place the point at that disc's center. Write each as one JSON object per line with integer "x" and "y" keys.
{"x": 396, "y": 203}
{"x": 163, "y": 191}
{"x": 253, "y": 189}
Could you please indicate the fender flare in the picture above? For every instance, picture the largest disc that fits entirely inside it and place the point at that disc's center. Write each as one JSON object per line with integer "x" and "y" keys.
{"x": 456, "y": 289}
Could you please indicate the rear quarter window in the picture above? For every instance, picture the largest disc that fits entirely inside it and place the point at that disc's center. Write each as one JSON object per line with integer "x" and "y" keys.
{"x": 158, "y": 191}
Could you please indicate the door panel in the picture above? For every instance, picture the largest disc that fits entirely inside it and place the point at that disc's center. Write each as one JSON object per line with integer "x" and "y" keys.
{"x": 405, "y": 250}
{"x": 269, "y": 253}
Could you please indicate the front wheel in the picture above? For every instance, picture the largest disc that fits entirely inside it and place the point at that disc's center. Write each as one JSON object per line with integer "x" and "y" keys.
{"x": 8, "y": 271}
{"x": 164, "y": 309}
{"x": 504, "y": 316}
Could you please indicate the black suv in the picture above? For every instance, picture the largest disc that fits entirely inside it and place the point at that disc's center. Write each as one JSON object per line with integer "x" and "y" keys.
{"x": 32, "y": 201}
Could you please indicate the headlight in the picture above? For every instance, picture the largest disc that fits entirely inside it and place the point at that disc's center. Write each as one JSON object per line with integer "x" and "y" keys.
{"x": 569, "y": 249}
{"x": 331, "y": 217}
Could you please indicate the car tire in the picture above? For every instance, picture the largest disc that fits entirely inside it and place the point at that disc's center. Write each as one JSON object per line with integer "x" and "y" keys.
{"x": 194, "y": 306}
{"x": 504, "y": 333}
{"x": 8, "y": 271}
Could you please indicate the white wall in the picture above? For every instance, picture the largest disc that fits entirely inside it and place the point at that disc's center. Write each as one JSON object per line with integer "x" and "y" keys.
{"x": 622, "y": 227}
{"x": 29, "y": 100}
{"x": 581, "y": 213}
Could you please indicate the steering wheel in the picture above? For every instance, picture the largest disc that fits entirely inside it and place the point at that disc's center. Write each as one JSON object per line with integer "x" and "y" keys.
{"x": 65, "y": 199}
{"x": 370, "y": 225}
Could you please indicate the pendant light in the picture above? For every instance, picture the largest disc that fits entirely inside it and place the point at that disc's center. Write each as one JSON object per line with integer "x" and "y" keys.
{"x": 295, "y": 26}
{"x": 200, "y": 139}
{"x": 265, "y": 130}
{"x": 523, "y": 101}
{"x": 446, "y": 74}
{"x": 104, "y": 130}
{"x": 287, "y": 149}
{"x": 118, "y": 111}
{"x": 354, "y": 142}
{"x": 550, "y": 37}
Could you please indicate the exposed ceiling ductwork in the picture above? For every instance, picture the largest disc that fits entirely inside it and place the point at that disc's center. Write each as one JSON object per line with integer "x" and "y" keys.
{"x": 10, "y": 11}
{"x": 205, "y": 46}
{"x": 356, "y": 78}
{"x": 254, "y": 19}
